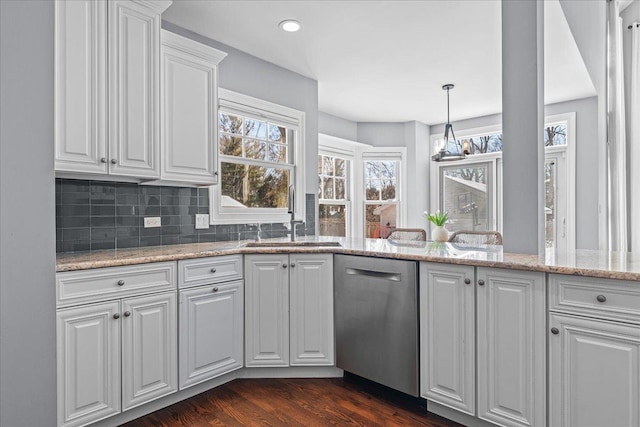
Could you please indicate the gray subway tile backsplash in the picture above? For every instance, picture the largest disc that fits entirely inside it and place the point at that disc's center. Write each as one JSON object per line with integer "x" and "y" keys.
{"x": 95, "y": 215}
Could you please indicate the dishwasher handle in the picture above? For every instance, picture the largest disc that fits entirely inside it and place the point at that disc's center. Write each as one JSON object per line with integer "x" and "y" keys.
{"x": 393, "y": 277}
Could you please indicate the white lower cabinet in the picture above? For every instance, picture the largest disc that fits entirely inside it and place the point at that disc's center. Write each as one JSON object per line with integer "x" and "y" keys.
{"x": 211, "y": 331}
{"x": 88, "y": 363}
{"x": 483, "y": 334}
{"x": 115, "y": 356}
{"x": 149, "y": 348}
{"x": 289, "y": 310}
{"x": 594, "y": 373}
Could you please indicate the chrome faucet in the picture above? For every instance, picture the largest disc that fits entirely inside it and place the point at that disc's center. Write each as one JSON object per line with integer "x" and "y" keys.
{"x": 293, "y": 222}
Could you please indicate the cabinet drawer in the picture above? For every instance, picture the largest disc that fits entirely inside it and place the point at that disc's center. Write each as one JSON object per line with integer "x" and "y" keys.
{"x": 604, "y": 298}
{"x": 76, "y": 287}
{"x": 204, "y": 271}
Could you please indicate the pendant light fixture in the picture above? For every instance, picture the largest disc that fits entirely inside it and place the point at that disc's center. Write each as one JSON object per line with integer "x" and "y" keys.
{"x": 449, "y": 137}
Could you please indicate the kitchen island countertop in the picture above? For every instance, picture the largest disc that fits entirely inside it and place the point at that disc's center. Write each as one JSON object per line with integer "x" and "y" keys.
{"x": 612, "y": 265}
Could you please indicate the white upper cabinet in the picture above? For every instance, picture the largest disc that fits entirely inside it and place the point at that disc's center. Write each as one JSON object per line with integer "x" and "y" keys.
{"x": 108, "y": 87}
{"x": 189, "y": 110}
{"x": 80, "y": 86}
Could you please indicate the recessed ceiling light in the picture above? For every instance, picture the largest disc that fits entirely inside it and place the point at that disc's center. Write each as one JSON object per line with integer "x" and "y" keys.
{"x": 290, "y": 25}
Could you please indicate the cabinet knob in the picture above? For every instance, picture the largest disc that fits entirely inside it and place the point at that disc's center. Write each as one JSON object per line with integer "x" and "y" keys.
{"x": 120, "y": 282}
{"x": 467, "y": 281}
{"x": 127, "y": 313}
{"x": 481, "y": 282}
{"x": 601, "y": 298}
{"x": 555, "y": 331}
{"x": 213, "y": 270}
{"x": 103, "y": 160}
{"x": 216, "y": 173}
{"x": 284, "y": 265}
{"x": 116, "y": 316}
{"x": 293, "y": 264}
{"x": 114, "y": 162}
{"x": 215, "y": 289}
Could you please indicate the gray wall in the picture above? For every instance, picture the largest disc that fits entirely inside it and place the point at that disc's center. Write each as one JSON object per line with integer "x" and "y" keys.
{"x": 27, "y": 253}
{"x": 337, "y": 126}
{"x": 381, "y": 134}
{"x": 586, "y": 163}
{"x": 252, "y": 76}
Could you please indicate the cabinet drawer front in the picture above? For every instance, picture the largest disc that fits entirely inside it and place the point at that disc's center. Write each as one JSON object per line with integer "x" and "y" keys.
{"x": 206, "y": 271}
{"x": 75, "y": 287}
{"x": 604, "y": 298}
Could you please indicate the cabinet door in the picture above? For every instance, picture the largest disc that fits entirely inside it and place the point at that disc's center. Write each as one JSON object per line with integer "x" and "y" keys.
{"x": 311, "y": 309}
{"x": 594, "y": 373}
{"x": 88, "y": 363}
{"x": 266, "y": 310}
{"x": 80, "y": 85}
{"x": 511, "y": 347}
{"x": 447, "y": 335}
{"x": 189, "y": 109}
{"x": 211, "y": 332}
{"x": 134, "y": 87}
{"x": 149, "y": 348}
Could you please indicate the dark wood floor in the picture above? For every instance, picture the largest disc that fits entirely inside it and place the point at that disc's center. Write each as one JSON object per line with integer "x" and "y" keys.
{"x": 295, "y": 402}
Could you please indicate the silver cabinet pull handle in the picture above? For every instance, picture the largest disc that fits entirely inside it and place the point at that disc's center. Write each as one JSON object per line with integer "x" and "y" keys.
{"x": 601, "y": 298}
{"x": 481, "y": 282}
{"x": 116, "y": 316}
{"x": 467, "y": 281}
{"x": 114, "y": 161}
{"x": 293, "y": 264}
{"x": 213, "y": 270}
{"x": 284, "y": 265}
{"x": 555, "y": 331}
{"x": 120, "y": 282}
{"x": 215, "y": 289}
{"x": 103, "y": 160}
{"x": 127, "y": 313}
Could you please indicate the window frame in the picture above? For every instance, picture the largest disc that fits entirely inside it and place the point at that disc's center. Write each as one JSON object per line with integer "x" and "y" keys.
{"x": 346, "y": 202}
{"x": 567, "y": 151}
{"x": 294, "y": 120}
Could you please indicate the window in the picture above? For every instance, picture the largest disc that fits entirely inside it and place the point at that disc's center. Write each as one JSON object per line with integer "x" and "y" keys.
{"x": 381, "y": 204}
{"x": 470, "y": 190}
{"x": 260, "y": 144}
{"x": 333, "y": 204}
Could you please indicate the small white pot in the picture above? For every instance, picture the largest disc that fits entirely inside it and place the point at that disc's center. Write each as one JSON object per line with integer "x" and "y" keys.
{"x": 439, "y": 234}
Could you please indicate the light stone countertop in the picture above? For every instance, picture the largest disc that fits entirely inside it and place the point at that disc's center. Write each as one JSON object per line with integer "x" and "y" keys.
{"x": 612, "y": 265}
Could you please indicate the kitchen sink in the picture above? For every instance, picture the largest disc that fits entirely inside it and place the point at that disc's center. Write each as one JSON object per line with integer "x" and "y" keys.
{"x": 289, "y": 244}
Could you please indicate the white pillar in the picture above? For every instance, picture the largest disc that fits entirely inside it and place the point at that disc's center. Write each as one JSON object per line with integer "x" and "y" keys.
{"x": 522, "y": 125}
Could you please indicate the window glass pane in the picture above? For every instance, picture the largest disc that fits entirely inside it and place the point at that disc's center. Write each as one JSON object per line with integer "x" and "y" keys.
{"x": 327, "y": 165}
{"x": 549, "y": 206}
{"x": 277, "y": 153}
{"x": 333, "y": 220}
{"x": 254, "y": 186}
{"x": 255, "y": 128}
{"x": 465, "y": 197}
{"x": 255, "y": 149}
{"x": 555, "y": 135}
{"x": 320, "y": 196}
{"x": 371, "y": 170}
{"x": 230, "y": 145}
{"x": 388, "y": 190}
{"x": 388, "y": 169}
{"x": 328, "y": 188}
{"x": 230, "y": 123}
{"x": 380, "y": 220}
{"x": 341, "y": 193}
{"x": 373, "y": 189}
{"x": 277, "y": 133}
{"x": 340, "y": 167}
{"x": 320, "y": 160}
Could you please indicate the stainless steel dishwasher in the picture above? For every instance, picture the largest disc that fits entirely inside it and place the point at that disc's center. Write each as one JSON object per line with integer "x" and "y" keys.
{"x": 376, "y": 320}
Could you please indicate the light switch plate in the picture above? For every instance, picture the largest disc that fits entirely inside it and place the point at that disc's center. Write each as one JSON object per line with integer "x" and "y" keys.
{"x": 202, "y": 221}
{"x": 152, "y": 222}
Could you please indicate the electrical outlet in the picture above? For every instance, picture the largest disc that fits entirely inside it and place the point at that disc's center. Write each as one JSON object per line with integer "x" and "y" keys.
{"x": 152, "y": 222}
{"x": 202, "y": 221}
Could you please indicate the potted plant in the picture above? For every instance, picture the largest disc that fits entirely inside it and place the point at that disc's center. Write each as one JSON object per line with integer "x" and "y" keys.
{"x": 439, "y": 219}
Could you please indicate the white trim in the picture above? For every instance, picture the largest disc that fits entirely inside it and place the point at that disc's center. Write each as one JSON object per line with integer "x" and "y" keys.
{"x": 278, "y": 114}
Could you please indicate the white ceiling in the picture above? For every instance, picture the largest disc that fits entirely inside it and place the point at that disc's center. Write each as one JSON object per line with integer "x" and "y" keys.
{"x": 385, "y": 61}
